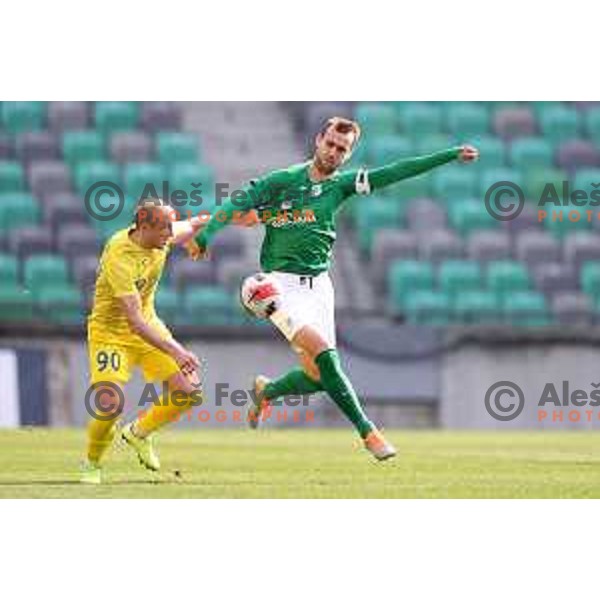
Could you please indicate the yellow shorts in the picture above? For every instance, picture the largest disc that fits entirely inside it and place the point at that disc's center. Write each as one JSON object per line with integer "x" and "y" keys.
{"x": 114, "y": 361}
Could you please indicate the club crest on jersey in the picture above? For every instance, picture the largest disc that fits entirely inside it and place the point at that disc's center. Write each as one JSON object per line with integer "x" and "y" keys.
{"x": 316, "y": 190}
{"x": 286, "y": 205}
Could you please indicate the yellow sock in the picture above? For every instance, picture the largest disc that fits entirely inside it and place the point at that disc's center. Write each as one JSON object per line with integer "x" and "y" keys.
{"x": 158, "y": 416}
{"x": 100, "y": 437}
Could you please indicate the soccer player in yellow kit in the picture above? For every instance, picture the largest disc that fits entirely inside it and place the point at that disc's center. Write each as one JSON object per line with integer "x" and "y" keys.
{"x": 125, "y": 332}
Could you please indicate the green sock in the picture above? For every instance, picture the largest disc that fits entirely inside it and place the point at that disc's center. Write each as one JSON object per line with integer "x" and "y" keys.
{"x": 338, "y": 386}
{"x": 295, "y": 382}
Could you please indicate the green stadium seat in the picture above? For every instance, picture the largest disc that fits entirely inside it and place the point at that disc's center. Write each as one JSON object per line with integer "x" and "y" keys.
{"x": 177, "y": 147}
{"x": 426, "y": 307}
{"x": 90, "y": 173}
{"x": 528, "y": 153}
{"x": 105, "y": 229}
{"x": 590, "y": 279}
{"x": 454, "y": 183}
{"x": 376, "y": 119}
{"x": 15, "y": 304}
{"x": 561, "y": 221}
{"x": 144, "y": 179}
{"x": 18, "y": 210}
{"x": 375, "y": 214}
{"x": 408, "y": 189}
{"x": 9, "y": 270}
{"x": 208, "y": 305}
{"x": 477, "y": 307}
{"x": 489, "y": 177}
{"x": 41, "y": 271}
{"x": 167, "y": 304}
{"x": 537, "y": 180}
{"x": 491, "y": 151}
{"x": 467, "y": 216}
{"x": 459, "y": 275}
{"x": 11, "y": 177}
{"x": 183, "y": 176}
{"x": 526, "y": 309}
{"x": 387, "y": 148}
{"x": 20, "y": 117}
{"x": 407, "y": 276}
{"x": 428, "y": 144}
{"x": 465, "y": 120}
{"x": 116, "y": 116}
{"x": 419, "y": 120}
{"x": 559, "y": 123}
{"x": 505, "y": 277}
{"x": 585, "y": 178}
{"x": 592, "y": 124}
{"x": 83, "y": 146}
{"x": 60, "y": 303}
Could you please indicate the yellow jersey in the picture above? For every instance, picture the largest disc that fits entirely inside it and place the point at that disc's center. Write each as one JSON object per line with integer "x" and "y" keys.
{"x": 126, "y": 268}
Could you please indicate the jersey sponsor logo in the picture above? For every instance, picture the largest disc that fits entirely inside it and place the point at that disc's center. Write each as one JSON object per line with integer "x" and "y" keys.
{"x": 140, "y": 283}
{"x": 286, "y": 219}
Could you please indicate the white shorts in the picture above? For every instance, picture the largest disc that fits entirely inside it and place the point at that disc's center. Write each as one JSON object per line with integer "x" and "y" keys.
{"x": 305, "y": 301}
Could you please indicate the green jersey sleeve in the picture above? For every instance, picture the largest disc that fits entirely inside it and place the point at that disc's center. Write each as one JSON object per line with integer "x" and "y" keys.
{"x": 364, "y": 181}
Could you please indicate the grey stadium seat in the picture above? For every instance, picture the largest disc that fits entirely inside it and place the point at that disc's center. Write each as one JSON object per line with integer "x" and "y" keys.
{"x": 232, "y": 272}
{"x": 555, "y": 278}
{"x": 37, "y": 145}
{"x": 77, "y": 240}
{"x": 389, "y": 245}
{"x": 537, "y": 246}
{"x": 84, "y": 270}
{"x": 7, "y": 147}
{"x": 577, "y": 154}
{"x": 161, "y": 116}
{"x": 65, "y": 116}
{"x": 581, "y": 247}
{"x": 128, "y": 147}
{"x": 440, "y": 245}
{"x": 572, "y": 308}
{"x": 227, "y": 243}
{"x": 185, "y": 272}
{"x": 30, "y": 240}
{"x": 62, "y": 210}
{"x": 426, "y": 214}
{"x": 527, "y": 220}
{"x": 49, "y": 178}
{"x": 486, "y": 246}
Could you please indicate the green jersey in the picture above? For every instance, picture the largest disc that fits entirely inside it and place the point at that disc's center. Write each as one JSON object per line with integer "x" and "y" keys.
{"x": 299, "y": 214}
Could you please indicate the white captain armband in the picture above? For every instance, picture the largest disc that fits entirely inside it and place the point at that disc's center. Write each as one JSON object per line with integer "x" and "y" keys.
{"x": 361, "y": 183}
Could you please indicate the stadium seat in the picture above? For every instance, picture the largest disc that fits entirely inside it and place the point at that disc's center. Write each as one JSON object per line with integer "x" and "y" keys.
{"x": 417, "y": 120}
{"x": 18, "y": 210}
{"x": 572, "y": 308}
{"x": 186, "y": 177}
{"x": 90, "y": 173}
{"x": 387, "y": 148}
{"x": 373, "y": 215}
{"x": 491, "y": 151}
{"x": 408, "y": 276}
{"x": 176, "y": 147}
{"x": 525, "y": 309}
{"x": 60, "y": 303}
{"x": 465, "y": 120}
{"x": 527, "y": 153}
{"x": 36, "y": 145}
{"x": 26, "y": 241}
{"x": 504, "y": 278}
{"x": 592, "y": 124}
{"x": 68, "y": 116}
{"x": 49, "y": 177}
{"x": 533, "y": 247}
{"x": 425, "y": 214}
{"x": 459, "y": 275}
{"x": 160, "y": 116}
{"x": 536, "y": 182}
{"x": 559, "y": 123}
{"x": 527, "y": 220}
{"x": 64, "y": 210}
{"x": 209, "y": 306}
{"x": 491, "y": 176}
{"x": 577, "y": 154}
{"x": 428, "y": 144}
{"x": 581, "y": 247}
{"x": 116, "y": 116}
{"x": 426, "y": 307}
{"x": 477, "y": 306}
{"x": 9, "y": 270}
{"x": 145, "y": 179}
{"x": 16, "y": 305}
{"x": 390, "y": 245}
{"x": 466, "y": 216}
{"x": 167, "y": 304}
{"x": 7, "y": 147}
{"x": 83, "y": 146}
{"x": 131, "y": 147}
{"x": 376, "y": 119}
{"x": 11, "y": 177}
{"x": 440, "y": 245}
{"x": 454, "y": 183}
{"x": 186, "y": 273}
{"x": 77, "y": 240}
{"x": 43, "y": 271}
{"x": 486, "y": 246}
{"x": 22, "y": 116}
{"x": 562, "y": 221}
{"x": 555, "y": 278}
{"x": 590, "y": 279}
{"x": 514, "y": 122}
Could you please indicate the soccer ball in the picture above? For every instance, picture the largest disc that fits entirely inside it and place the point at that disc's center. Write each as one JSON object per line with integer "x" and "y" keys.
{"x": 261, "y": 295}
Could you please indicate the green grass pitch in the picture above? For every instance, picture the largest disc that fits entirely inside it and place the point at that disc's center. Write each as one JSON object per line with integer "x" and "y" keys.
{"x": 43, "y": 463}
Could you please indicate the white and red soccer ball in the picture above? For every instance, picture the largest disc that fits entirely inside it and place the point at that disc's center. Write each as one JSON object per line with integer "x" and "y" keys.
{"x": 261, "y": 295}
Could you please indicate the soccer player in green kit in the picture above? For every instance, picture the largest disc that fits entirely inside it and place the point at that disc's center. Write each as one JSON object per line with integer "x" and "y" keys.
{"x": 298, "y": 205}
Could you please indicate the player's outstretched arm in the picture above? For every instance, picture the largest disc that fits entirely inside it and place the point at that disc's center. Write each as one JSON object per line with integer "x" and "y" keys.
{"x": 411, "y": 167}
{"x": 187, "y": 361}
